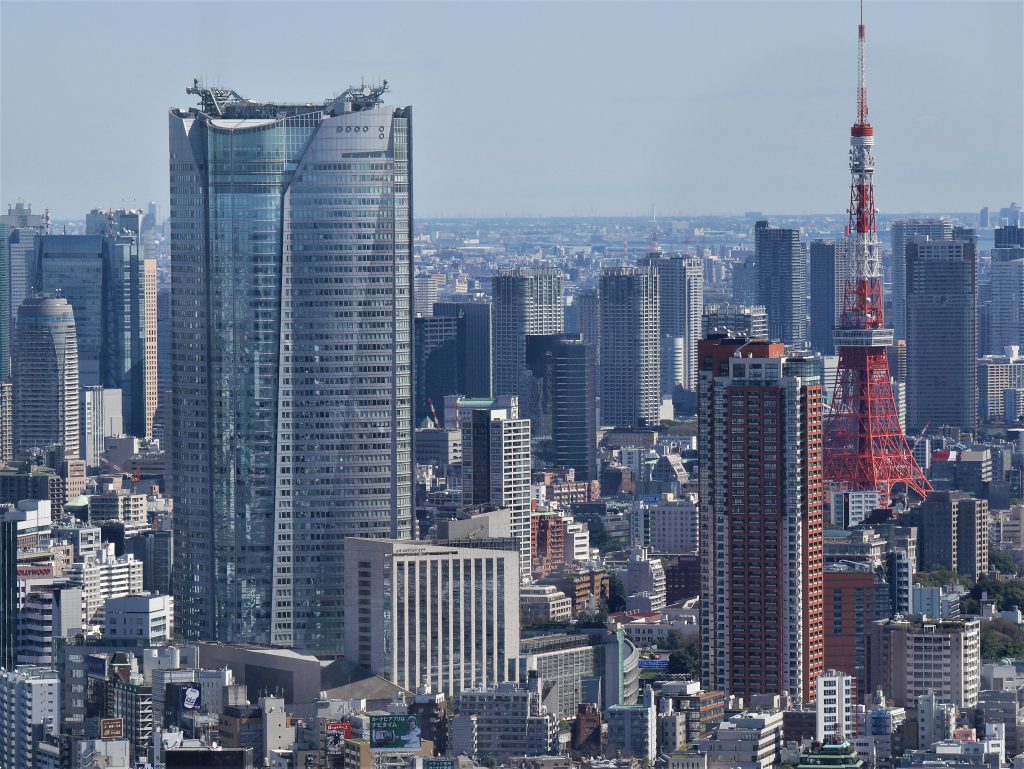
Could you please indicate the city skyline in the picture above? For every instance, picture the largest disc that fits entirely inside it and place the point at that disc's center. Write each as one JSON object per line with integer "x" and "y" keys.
{"x": 689, "y": 64}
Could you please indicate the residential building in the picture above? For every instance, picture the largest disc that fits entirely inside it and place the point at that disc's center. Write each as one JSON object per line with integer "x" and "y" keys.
{"x": 151, "y": 375}
{"x": 836, "y": 706}
{"x": 45, "y": 376}
{"x": 748, "y": 740}
{"x": 782, "y": 282}
{"x": 761, "y": 519}
{"x": 103, "y": 577}
{"x": 525, "y": 302}
{"x": 954, "y": 533}
{"x": 681, "y": 306}
{"x": 674, "y": 523}
{"x": 6, "y": 411}
{"x": 901, "y": 233}
{"x": 444, "y": 616}
{"x": 29, "y": 701}
{"x": 942, "y": 334}
{"x": 292, "y": 357}
{"x": 1006, "y": 325}
{"x": 913, "y": 656}
{"x": 996, "y": 375}
{"x": 856, "y": 596}
{"x": 496, "y": 465}
{"x": 630, "y": 348}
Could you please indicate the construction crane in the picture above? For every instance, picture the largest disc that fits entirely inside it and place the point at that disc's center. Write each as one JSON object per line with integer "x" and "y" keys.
{"x": 134, "y": 476}
{"x": 433, "y": 414}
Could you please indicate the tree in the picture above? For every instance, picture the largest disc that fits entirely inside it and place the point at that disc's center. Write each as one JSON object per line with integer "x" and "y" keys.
{"x": 1001, "y": 638}
{"x": 940, "y": 577}
{"x": 686, "y": 660}
{"x": 1002, "y": 562}
{"x": 674, "y": 640}
{"x": 616, "y": 594}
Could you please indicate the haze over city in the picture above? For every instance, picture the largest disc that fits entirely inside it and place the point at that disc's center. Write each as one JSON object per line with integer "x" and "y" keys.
{"x": 541, "y": 109}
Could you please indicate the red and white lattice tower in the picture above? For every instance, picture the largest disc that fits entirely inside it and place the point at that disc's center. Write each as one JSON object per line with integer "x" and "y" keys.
{"x": 865, "y": 447}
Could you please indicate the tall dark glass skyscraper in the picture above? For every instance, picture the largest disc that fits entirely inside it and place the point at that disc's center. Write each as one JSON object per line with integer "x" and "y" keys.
{"x": 828, "y": 278}
{"x": 292, "y": 424}
{"x": 782, "y": 282}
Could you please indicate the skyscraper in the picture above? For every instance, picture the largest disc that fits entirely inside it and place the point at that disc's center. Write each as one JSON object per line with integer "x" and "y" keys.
{"x": 496, "y": 465}
{"x": 103, "y": 278}
{"x": 474, "y": 344}
{"x": 23, "y": 227}
{"x": 942, "y": 333}
{"x": 292, "y": 333}
{"x": 525, "y": 302}
{"x": 828, "y": 279}
{"x": 630, "y": 347}
{"x": 564, "y": 388}
{"x": 782, "y": 282}
{"x": 901, "y": 234}
{"x": 736, "y": 320}
{"x": 45, "y": 375}
{"x": 5, "y": 302}
{"x": 1006, "y": 326}
{"x": 761, "y": 491}
{"x": 681, "y": 305}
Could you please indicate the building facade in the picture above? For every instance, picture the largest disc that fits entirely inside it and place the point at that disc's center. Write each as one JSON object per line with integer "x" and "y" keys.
{"x": 942, "y": 333}
{"x": 45, "y": 376}
{"x": 901, "y": 233}
{"x": 630, "y": 347}
{"x": 829, "y": 274}
{"x": 681, "y": 306}
{"x": 292, "y": 356}
{"x": 782, "y": 282}
{"x": 761, "y": 519}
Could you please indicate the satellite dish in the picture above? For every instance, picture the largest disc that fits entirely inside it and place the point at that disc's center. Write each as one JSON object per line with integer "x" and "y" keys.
{"x": 367, "y": 90}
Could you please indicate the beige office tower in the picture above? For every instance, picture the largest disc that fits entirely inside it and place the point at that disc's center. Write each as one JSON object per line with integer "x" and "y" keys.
{"x": 149, "y": 283}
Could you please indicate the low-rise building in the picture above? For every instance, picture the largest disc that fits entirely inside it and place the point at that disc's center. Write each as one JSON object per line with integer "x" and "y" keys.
{"x": 633, "y": 729}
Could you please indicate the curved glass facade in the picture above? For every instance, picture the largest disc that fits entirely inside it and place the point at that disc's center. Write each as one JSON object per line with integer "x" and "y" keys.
{"x": 291, "y": 264}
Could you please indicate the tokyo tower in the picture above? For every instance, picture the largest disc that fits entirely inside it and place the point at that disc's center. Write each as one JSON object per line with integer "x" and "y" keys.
{"x": 865, "y": 448}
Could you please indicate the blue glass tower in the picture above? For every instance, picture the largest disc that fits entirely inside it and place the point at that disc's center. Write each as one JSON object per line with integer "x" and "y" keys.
{"x": 291, "y": 366}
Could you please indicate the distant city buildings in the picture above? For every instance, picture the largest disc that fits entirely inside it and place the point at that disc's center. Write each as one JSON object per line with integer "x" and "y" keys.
{"x": 782, "y": 282}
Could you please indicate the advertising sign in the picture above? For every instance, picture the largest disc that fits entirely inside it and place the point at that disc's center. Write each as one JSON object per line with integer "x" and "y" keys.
{"x": 438, "y": 763}
{"x": 653, "y": 664}
{"x": 344, "y": 728}
{"x": 394, "y": 734}
{"x": 191, "y": 697}
{"x": 111, "y": 729}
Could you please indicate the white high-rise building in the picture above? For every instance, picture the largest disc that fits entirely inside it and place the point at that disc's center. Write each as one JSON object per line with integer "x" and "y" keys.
{"x": 101, "y": 417}
{"x": 29, "y": 697}
{"x": 139, "y": 617}
{"x": 103, "y": 577}
{"x": 422, "y": 614}
{"x": 496, "y": 467}
{"x": 292, "y": 356}
{"x": 836, "y": 707}
{"x": 681, "y": 307}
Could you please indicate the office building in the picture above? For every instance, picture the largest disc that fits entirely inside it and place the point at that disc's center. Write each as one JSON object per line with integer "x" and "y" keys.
{"x": 510, "y": 720}
{"x": 835, "y": 706}
{"x": 45, "y": 376}
{"x": 681, "y": 305}
{"x": 914, "y": 656}
{"x": 1006, "y": 325}
{"x": 453, "y": 356}
{"x": 473, "y": 344}
{"x": 901, "y": 234}
{"x": 443, "y": 616}
{"x": 630, "y": 348}
{"x": 496, "y": 466}
{"x": 22, "y": 229}
{"x": 954, "y": 533}
{"x": 588, "y": 315}
{"x": 102, "y": 417}
{"x": 156, "y": 551}
{"x": 782, "y": 282}
{"x": 829, "y": 274}
{"x": 524, "y": 302}
{"x": 30, "y": 702}
{"x": 736, "y": 320}
{"x": 633, "y": 729}
{"x": 563, "y": 388}
{"x": 146, "y": 618}
{"x": 761, "y": 518}
{"x": 998, "y": 374}
{"x": 942, "y": 334}
{"x": 6, "y": 422}
{"x": 748, "y": 739}
{"x": 102, "y": 277}
{"x": 292, "y": 408}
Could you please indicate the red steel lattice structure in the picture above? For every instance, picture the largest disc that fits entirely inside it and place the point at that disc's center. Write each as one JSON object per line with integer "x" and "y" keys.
{"x": 865, "y": 447}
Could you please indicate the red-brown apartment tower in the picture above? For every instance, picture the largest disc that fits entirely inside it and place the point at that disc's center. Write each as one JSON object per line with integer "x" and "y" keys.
{"x": 761, "y": 492}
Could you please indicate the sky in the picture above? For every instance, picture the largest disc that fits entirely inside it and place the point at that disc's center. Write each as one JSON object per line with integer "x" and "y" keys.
{"x": 541, "y": 108}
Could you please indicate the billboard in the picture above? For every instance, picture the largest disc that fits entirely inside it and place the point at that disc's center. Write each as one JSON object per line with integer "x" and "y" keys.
{"x": 653, "y": 664}
{"x": 191, "y": 697}
{"x": 394, "y": 734}
{"x": 111, "y": 729}
{"x": 438, "y": 763}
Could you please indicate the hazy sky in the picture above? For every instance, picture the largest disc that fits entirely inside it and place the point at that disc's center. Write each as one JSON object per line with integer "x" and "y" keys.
{"x": 529, "y": 108}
